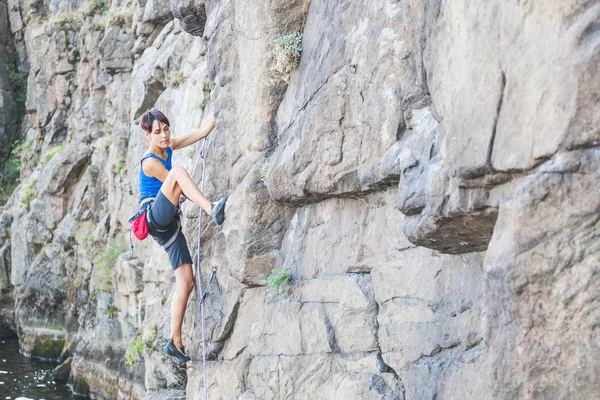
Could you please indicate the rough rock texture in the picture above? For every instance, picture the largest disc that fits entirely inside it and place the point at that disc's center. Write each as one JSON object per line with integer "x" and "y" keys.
{"x": 426, "y": 175}
{"x": 191, "y": 15}
{"x": 12, "y": 89}
{"x": 546, "y": 291}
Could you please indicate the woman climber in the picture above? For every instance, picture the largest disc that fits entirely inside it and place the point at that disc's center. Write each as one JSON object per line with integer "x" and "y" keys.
{"x": 161, "y": 185}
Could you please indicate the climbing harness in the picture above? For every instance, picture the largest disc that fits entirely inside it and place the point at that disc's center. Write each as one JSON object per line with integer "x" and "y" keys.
{"x": 139, "y": 224}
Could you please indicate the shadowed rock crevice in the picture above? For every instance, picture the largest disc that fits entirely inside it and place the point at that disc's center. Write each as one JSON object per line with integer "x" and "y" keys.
{"x": 331, "y": 336}
{"x": 455, "y": 234}
{"x": 498, "y": 110}
{"x": 219, "y": 343}
{"x": 153, "y": 90}
{"x": 191, "y": 15}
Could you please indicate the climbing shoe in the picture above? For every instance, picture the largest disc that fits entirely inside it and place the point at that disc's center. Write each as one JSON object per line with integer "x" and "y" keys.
{"x": 218, "y": 211}
{"x": 173, "y": 351}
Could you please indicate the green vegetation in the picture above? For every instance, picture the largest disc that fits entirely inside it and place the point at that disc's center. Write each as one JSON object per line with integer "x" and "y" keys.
{"x": 9, "y": 178}
{"x": 120, "y": 166}
{"x": 87, "y": 233}
{"x": 149, "y": 336}
{"x": 64, "y": 19}
{"x": 112, "y": 311}
{"x": 36, "y": 13}
{"x": 287, "y": 52}
{"x": 278, "y": 279}
{"x": 6, "y": 190}
{"x": 107, "y": 142}
{"x": 18, "y": 83}
{"x": 161, "y": 383}
{"x": 77, "y": 282}
{"x": 20, "y": 151}
{"x": 11, "y": 171}
{"x": 134, "y": 352}
{"x": 29, "y": 192}
{"x": 47, "y": 349}
{"x": 51, "y": 153}
{"x": 122, "y": 17}
{"x": 106, "y": 129}
{"x": 100, "y": 6}
{"x": 105, "y": 262}
{"x": 16, "y": 79}
{"x": 88, "y": 239}
{"x": 263, "y": 171}
{"x": 56, "y": 326}
{"x": 176, "y": 78}
{"x": 206, "y": 95}
{"x": 80, "y": 386}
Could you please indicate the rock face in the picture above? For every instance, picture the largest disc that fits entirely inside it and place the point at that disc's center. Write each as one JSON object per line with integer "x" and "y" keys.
{"x": 191, "y": 15}
{"x": 12, "y": 86}
{"x": 425, "y": 175}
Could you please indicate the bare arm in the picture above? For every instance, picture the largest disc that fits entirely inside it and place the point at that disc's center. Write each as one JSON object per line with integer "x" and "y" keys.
{"x": 154, "y": 168}
{"x": 195, "y": 135}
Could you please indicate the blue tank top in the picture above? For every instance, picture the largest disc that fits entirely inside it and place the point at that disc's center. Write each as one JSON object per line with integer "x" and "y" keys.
{"x": 149, "y": 185}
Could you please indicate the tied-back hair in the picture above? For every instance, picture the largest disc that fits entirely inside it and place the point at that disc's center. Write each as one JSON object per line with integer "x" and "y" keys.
{"x": 149, "y": 118}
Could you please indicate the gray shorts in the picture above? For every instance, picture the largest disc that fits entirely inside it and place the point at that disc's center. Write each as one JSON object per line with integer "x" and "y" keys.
{"x": 165, "y": 228}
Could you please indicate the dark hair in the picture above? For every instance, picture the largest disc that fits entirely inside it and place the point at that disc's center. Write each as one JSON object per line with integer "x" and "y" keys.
{"x": 149, "y": 118}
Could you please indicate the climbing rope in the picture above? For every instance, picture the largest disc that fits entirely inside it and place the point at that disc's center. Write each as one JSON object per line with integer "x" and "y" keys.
{"x": 201, "y": 155}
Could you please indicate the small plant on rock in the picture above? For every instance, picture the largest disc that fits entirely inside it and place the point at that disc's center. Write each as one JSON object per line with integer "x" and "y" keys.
{"x": 100, "y": 5}
{"x": 16, "y": 79}
{"x": 278, "y": 279}
{"x": 134, "y": 352}
{"x": 287, "y": 52}
{"x": 176, "y": 78}
{"x": 206, "y": 95}
{"x": 120, "y": 166}
{"x": 122, "y": 17}
{"x": 18, "y": 83}
{"x": 29, "y": 192}
{"x": 105, "y": 262}
{"x": 22, "y": 150}
{"x": 263, "y": 172}
{"x": 36, "y": 14}
{"x": 51, "y": 153}
{"x": 107, "y": 142}
{"x": 88, "y": 239}
{"x": 112, "y": 311}
{"x": 57, "y": 326}
{"x": 149, "y": 335}
{"x": 63, "y": 21}
{"x": 9, "y": 177}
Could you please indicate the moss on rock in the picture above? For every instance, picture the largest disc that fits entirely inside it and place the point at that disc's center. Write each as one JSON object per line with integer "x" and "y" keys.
{"x": 47, "y": 349}
{"x": 80, "y": 387}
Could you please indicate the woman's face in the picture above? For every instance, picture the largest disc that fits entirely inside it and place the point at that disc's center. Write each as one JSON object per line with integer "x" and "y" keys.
{"x": 160, "y": 134}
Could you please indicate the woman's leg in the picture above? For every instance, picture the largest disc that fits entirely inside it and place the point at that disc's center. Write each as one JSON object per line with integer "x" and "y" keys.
{"x": 184, "y": 285}
{"x": 179, "y": 182}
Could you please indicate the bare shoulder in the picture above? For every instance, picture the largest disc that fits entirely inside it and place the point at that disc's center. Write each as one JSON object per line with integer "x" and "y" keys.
{"x": 150, "y": 165}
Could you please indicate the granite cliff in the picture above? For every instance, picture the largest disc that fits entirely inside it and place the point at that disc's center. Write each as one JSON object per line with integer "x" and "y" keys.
{"x": 426, "y": 174}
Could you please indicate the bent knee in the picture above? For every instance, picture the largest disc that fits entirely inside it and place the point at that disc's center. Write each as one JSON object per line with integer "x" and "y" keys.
{"x": 177, "y": 170}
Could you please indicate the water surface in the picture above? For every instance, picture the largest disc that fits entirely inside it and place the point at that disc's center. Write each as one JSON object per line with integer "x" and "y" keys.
{"x": 23, "y": 378}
